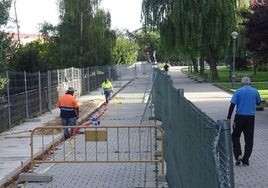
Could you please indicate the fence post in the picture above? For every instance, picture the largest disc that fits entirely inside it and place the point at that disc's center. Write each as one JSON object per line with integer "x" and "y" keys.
{"x": 181, "y": 92}
{"x": 109, "y": 73}
{"x": 72, "y": 77}
{"x": 49, "y": 90}
{"x": 80, "y": 81}
{"x": 226, "y": 155}
{"x": 40, "y": 92}
{"x": 8, "y": 100}
{"x": 83, "y": 83}
{"x": 26, "y": 94}
{"x": 88, "y": 79}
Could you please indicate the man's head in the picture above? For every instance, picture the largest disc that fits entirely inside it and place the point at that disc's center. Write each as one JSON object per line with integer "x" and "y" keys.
{"x": 245, "y": 81}
{"x": 70, "y": 90}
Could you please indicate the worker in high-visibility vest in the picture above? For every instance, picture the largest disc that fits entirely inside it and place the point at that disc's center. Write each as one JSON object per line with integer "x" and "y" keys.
{"x": 69, "y": 110}
{"x": 107, "y": 89}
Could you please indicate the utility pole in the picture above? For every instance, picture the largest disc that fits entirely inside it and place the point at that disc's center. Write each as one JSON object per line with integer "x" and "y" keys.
{"x": 16, "y": 20}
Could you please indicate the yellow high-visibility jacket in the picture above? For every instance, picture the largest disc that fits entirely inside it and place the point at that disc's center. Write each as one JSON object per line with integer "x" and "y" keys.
{"x": 107, "y": 86}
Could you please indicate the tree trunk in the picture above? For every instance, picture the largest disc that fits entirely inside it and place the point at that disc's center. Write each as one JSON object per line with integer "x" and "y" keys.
{"x": 255, "y": 68}
{"x": 213, "y": 69}
{"x": 195, "y": 65}
{"x": 202, "y": 66}
{"x": 16, "y": 20}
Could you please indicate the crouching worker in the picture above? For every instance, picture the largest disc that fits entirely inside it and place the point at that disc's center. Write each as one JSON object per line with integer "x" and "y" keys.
{"x": 107, "y": 89}
{"x": 69, "y": 110}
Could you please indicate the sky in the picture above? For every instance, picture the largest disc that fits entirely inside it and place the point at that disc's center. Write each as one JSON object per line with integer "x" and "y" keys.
{"x": 125, "y": 14}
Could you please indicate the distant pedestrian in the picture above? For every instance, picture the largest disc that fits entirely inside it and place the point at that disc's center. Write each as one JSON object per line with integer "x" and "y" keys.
{"x": 245, "y": 99}
{"x": 69, "y": 110}
{"x": 107, "y": 89}
{"x": 166, "y": 68}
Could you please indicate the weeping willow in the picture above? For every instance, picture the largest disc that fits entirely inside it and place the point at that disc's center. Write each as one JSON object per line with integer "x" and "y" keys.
{"x": 85, "y": 35}
{"x": 193, "y": 28}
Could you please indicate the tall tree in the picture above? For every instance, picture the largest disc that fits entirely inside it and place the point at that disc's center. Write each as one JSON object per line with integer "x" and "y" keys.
{"x": 4, "y": 9}
{"x": 7, "y": 47}
{"x": 85, "y": 36}
{"x": 194, "y": 29}
{"x": 256, "y": 32}
{"x": 149, "y": 42}
{"x": 125, "y": 51}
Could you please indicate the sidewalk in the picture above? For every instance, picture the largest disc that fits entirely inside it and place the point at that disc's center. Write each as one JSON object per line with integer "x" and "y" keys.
{"x": 215, "y": 103}
{"x": 14, "y": 144}
{"x": 127, "y": 108}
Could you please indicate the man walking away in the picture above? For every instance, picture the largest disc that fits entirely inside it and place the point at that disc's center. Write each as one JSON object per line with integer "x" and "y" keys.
{"x": 245, "y": 99}
{"x": 107, "y": 89}
{"x": 69, "y": 110}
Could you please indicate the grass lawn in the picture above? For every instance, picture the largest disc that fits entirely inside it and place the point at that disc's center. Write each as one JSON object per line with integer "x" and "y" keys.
{"x": 264, "y": 94}
{"x": 258, "y": 80}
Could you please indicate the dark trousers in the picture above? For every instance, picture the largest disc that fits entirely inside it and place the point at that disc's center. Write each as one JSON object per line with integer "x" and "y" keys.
{"x": 68, "y": 122}
{"x": 245, "y": 124}
{"x": 107, "y": 95}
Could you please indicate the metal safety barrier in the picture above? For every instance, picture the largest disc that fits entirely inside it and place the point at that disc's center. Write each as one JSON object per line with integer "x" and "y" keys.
{"x": 196, "y": 147}
{"x": 98, "y": 144}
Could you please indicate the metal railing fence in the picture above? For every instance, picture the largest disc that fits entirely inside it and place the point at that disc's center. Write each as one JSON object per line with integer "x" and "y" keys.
{"x": 97, "y": 144}
{"x": 26, "y": 95}
{"x": 197, "y": 149}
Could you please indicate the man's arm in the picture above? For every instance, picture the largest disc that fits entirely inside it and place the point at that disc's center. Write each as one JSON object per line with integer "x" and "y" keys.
{"x": 230, "y": 112}
{"x": 111, "y": 86}
{"x": 77, "y": 112}
{"x": 76, "y": 107}
{"x": 258, "y": 101}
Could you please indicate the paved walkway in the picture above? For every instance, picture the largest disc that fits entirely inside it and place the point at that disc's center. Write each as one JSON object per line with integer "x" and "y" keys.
{"x": 215, "y": 103}
{"x": 127, "y": 108}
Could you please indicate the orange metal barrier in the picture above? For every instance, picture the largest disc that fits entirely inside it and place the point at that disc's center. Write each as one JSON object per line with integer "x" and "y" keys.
{"x": 98, "y": 144}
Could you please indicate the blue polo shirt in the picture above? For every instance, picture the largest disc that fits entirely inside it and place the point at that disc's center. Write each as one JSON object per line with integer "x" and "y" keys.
{"x": 245, "y": 99}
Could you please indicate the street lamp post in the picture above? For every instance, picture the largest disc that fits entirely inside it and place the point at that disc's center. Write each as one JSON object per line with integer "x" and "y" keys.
{"x": 234, "y": 35}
